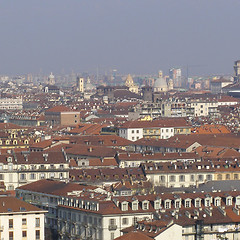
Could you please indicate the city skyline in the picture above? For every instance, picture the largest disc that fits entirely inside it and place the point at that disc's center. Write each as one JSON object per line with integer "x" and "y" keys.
{"x": 134, "y": 37}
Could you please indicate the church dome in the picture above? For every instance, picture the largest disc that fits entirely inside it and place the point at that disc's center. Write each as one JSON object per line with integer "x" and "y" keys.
{"x": 89, "y": 86}
{"x": 160, "y": 85}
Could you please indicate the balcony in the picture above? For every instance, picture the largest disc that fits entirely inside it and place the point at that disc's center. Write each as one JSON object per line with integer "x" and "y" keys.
{"x": 112, "y": 227}
{"x": 22, "y": 180}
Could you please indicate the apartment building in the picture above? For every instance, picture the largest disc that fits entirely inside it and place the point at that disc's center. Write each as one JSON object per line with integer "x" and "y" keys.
{"x": 11, "y": 103}
{"x": 192, "y": 173}
{"x": 20, "y": 220}
{"x": 159, "y": 129}
{"x": 17, "y": 169}
{"x": 86, "y": 212}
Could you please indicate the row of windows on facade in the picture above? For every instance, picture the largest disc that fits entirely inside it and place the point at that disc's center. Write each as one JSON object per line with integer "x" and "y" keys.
{"x": 32, "y": 167}
{"x": 182, "y": 178}
{"x": 79, "y": 218}
{"x": 150, "y": 131}
{"x": 178, "y": 203}
{"x": 80, "y": 204}
{"x": 14, "y": 142}
{"x": 32, "y": 176}
{"x": 24, "y": 235}
{"x": 24, "y": 222}
{"x": 209, "y": 177}
{"x": 85, "y": 232}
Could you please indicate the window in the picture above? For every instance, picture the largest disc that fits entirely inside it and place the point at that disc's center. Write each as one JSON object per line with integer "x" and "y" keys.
{"x": 22, "y": 176}
{"x": 37, "y": 222}
{"x": 37, "y": 234}
{"x": 42, "y": 175}
{"x": 137, "y": 131}
{"x": 197, "y": 203}
{"x": 24, "y": 221}
{"x": 192, "y": 178}
{"x": 219, "y": 177}
{"x": 200, "y": 177}
{"x": 207, "y": 203}
{"x": 1, "y": 177}
{"x": 125, "y": 221}
{"x": 187, "y": 203}
{"x": 229, "y": 201}
{"x": 172, "y": 178}
{"x": 181, "y": 178}
{"x": 235, "y": 176}
{"x": 134, "y": 206}
{"x": 24, "y": 234}
{"x": 112, "y": 222}
{"x": 10, "y": 221}
{"x": 32, "y": 176}
{"x": 228, "y": 176}
{"x": 145, "y": 206}
{"x": 10, "y": 235}
{"x": 217, "y": 202}
{"x": 157, "y": 205}
{"x": 167, "y": 205}
{"x": 177, "y": 204}
{"x": 132, "y": 131}
{"x": 124, "y": 206}
{"x": 112, "y": 235}
{"x": 162, "y": 179}
{"x": 209, "y": 177}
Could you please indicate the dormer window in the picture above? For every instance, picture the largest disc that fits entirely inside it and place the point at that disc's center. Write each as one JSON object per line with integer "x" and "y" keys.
{"x": 217, "y": 201}
{"x": 135, "y": 205}
{"x": 167, "y": 204}
{"x": 207, "y": 202}
{"x": 177, "y": 204}
{"x": 238, "y": 200}
{"x": 197, "y": 203}
{"x": 124, "y": 206}
{"x": 187, "y": 203}
{"x": 157, "y": 204}
{"x": 145, "y": 205}
{"x": 229, "y": 201}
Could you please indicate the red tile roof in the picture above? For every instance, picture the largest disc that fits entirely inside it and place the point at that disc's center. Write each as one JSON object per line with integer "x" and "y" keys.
{"x": 134, "y": 236}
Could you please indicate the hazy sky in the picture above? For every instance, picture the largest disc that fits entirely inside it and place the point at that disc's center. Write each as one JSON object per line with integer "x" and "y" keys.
{"x": 133, "y": 36}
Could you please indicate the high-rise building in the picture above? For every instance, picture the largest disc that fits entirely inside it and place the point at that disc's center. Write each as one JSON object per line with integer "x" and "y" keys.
{"x": 176, "y": 75}
{"x": 237, "y": 71}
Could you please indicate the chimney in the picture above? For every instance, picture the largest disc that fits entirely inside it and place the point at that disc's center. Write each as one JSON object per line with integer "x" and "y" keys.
{"x": 90, "y": 149}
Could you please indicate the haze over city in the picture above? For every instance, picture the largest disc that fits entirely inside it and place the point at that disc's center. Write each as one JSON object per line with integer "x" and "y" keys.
{"x": 133, "y": 36}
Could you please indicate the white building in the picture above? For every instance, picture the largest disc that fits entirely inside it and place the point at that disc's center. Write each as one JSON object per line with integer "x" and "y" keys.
{"x": 17, "y": 169}
{"x": 131, "y": 133}
{"x": 11, "y": 103}
{"x": 20, "y": 220}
